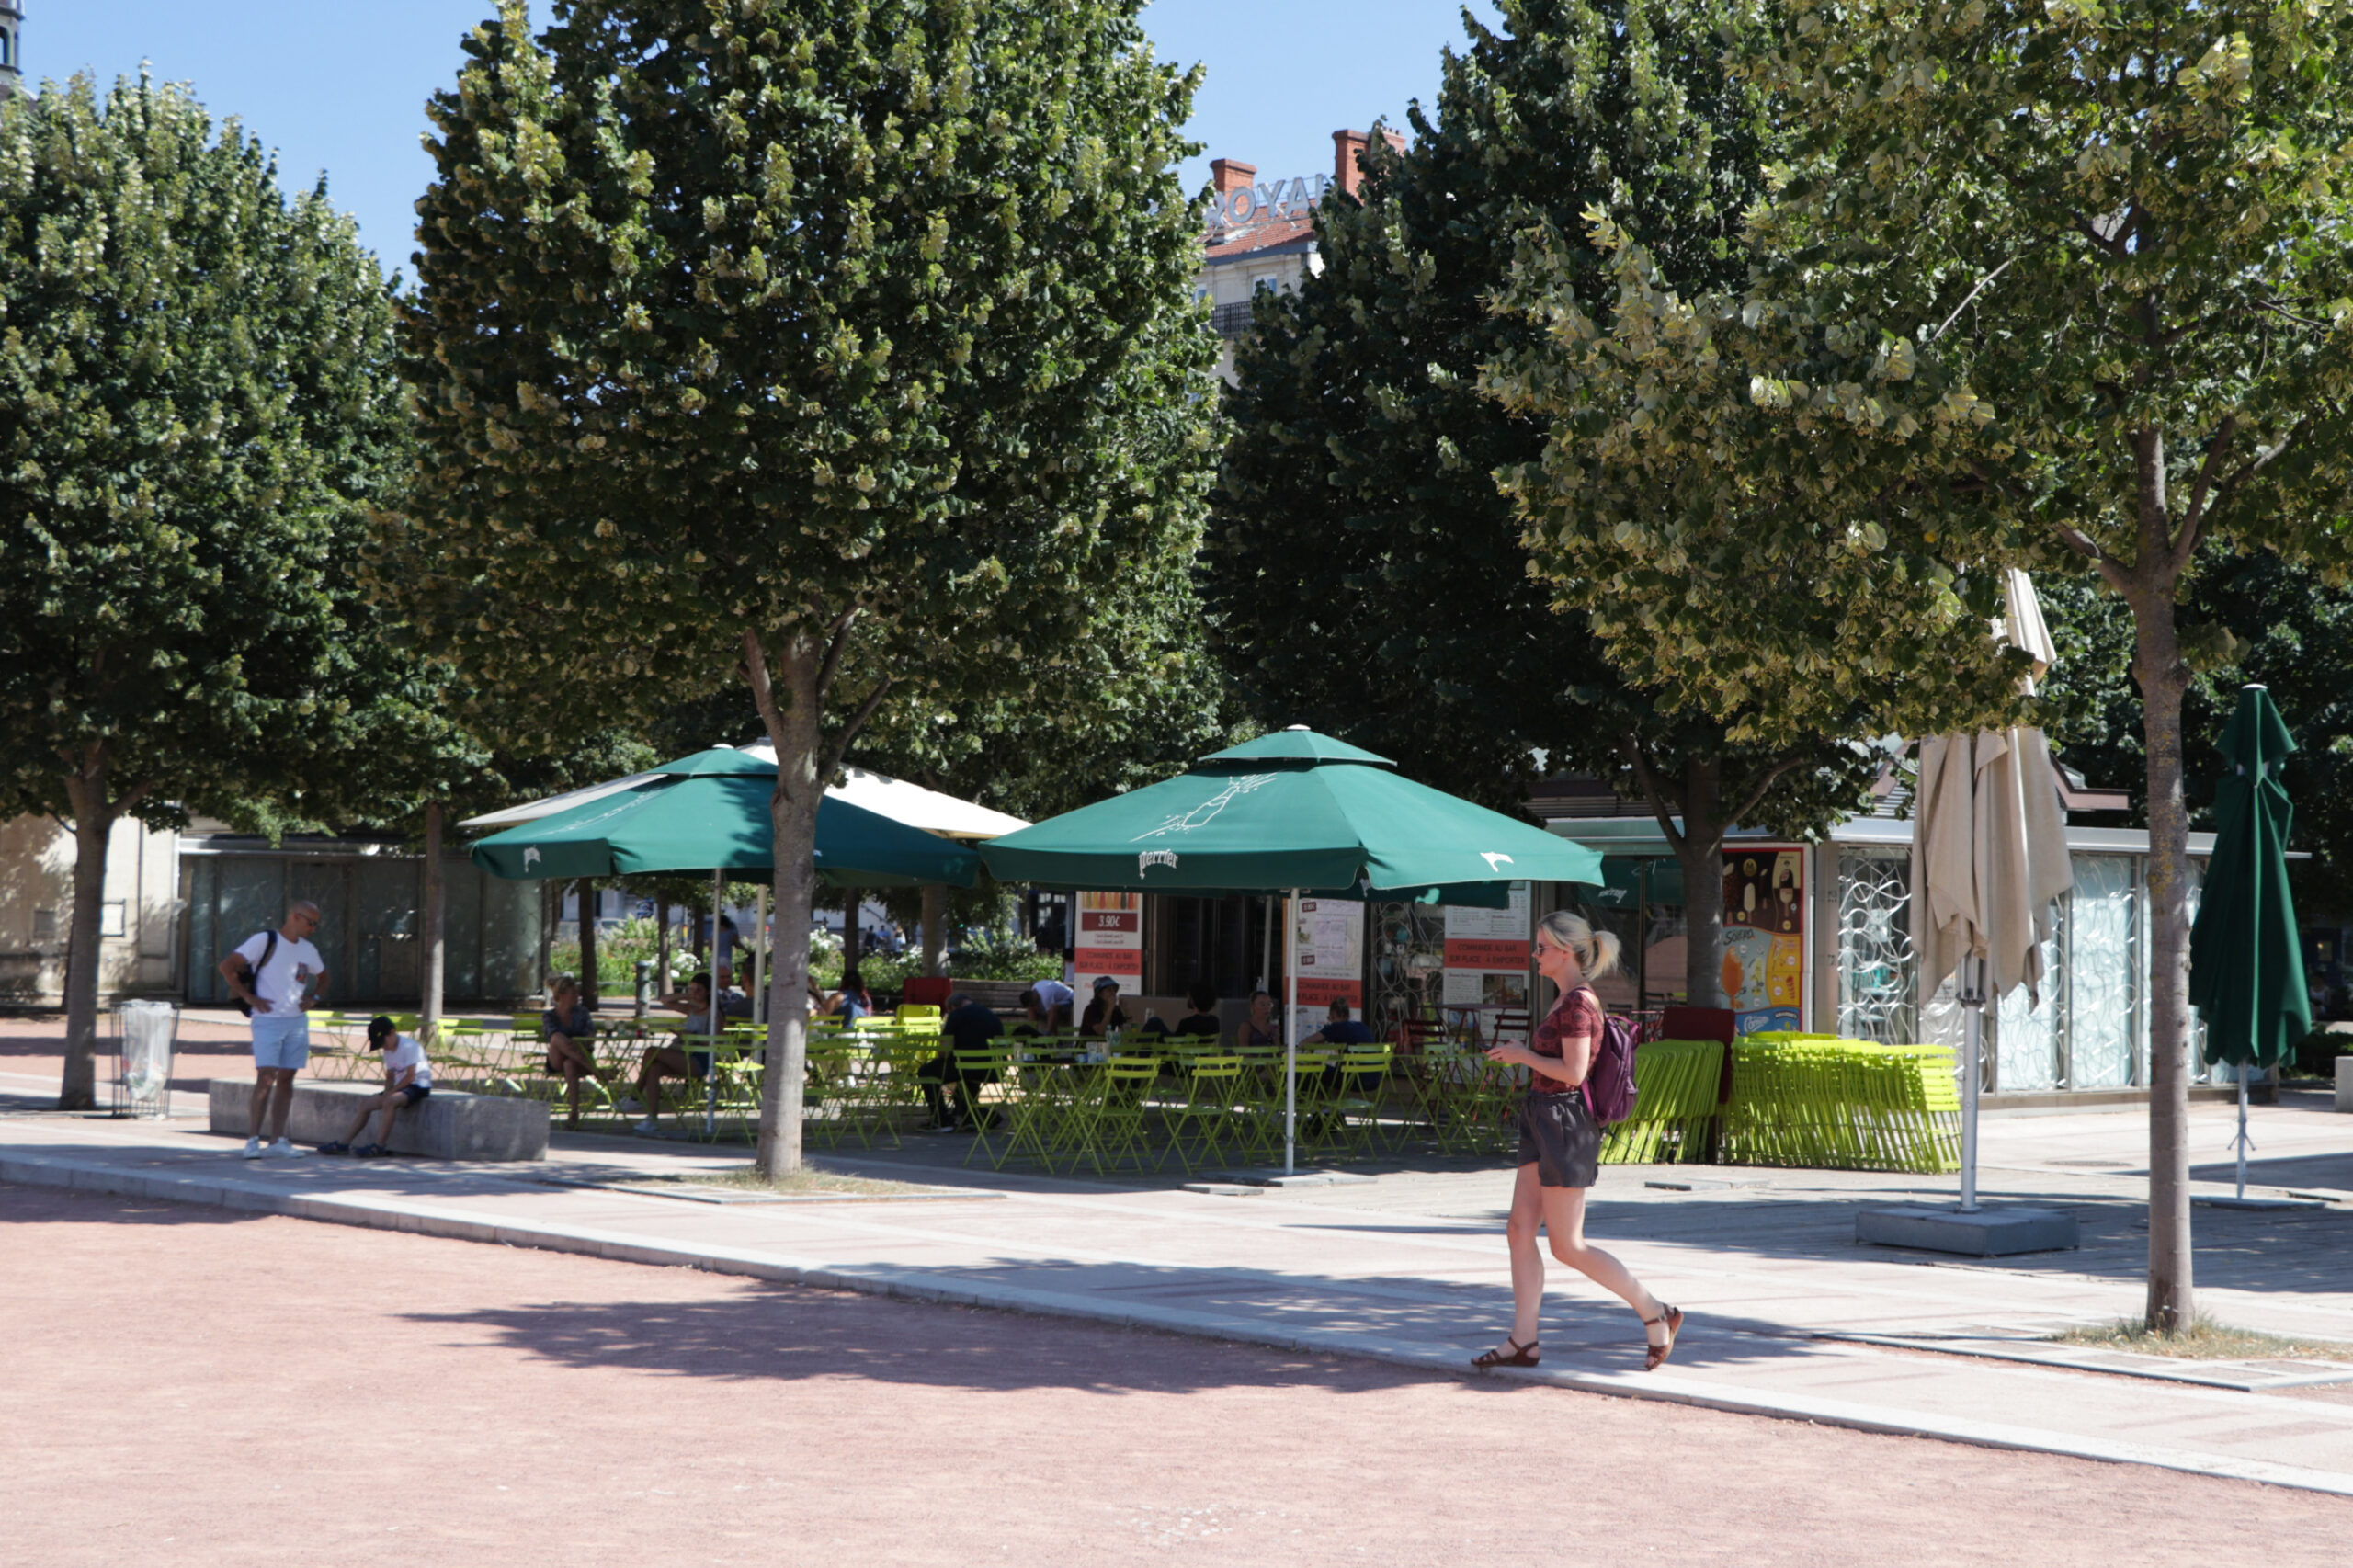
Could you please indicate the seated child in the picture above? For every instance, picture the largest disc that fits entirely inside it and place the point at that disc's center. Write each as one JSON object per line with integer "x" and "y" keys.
{"x": 408, "y": 1078}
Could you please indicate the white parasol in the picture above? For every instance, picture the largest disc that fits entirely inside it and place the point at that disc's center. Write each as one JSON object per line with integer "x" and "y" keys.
{"x": 1990, "y": 848}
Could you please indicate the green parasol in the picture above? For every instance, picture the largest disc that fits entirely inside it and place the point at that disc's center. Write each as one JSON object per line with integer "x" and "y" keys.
{"x": 1293, "y": 810}
{"x": 2246, "y": 967}
{"x": 710, "y": 813}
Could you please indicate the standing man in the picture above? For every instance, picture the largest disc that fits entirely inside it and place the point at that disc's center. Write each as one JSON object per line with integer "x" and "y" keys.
{"x": 278, "y": 974}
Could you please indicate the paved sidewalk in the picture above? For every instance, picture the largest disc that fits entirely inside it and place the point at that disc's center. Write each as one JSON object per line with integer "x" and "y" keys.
{"x": 1788, "y": 1316}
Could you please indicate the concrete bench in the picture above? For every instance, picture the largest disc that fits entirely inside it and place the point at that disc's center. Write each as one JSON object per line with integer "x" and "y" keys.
{"x": 447, "y": 1126}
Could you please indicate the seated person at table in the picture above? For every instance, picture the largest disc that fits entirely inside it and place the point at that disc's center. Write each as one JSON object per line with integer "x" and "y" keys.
{"x": 1034, "y": 1019}
{"x": 1058, "y": 999}
{"x": 852, "y": 1002}
{"x": 408, "y": 1078}
{"x": 1104, "y": 1013}
{"x": 568, "y": 1031}
{"x": 1202, "y": 1020}
{"x": 732, "y": 1003}
{"x": 1339, "y": 1028}
{"x": 1259, "y": 1028}
{"x": 968, "y": 1026}
{"x": 679, "y": 1061}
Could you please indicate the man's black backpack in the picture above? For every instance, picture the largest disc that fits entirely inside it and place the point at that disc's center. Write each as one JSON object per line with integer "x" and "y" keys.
{"x": 268, "y": 951}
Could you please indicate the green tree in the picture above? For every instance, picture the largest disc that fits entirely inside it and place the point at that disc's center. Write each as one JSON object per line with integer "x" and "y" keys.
{"x": 1368, "y": 577}
{"x": 420, "y": 748}
{"x": 197, "y": 404}
{"x": 841, "y": 346}
{"x": 2063, "y": 287}
{"x": 2288, "y": 629}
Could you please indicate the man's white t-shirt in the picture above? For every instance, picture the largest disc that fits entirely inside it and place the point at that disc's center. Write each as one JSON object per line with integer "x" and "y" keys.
{"x": 1054, "y": 994}
{"x": 406, "y": 1052}
{"x": 289, "y": 974}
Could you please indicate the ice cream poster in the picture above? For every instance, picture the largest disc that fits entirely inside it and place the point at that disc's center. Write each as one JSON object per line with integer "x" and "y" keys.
{"x": 1764, "y": 963}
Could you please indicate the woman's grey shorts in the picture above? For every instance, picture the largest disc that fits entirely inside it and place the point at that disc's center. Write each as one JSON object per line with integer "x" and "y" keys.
{"x": 1557, "y": 1136}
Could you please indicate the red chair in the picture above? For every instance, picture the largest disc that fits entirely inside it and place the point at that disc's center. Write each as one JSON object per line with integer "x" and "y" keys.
{"x": 1693, "y": 1023}
{"x": 927, "y": 991}
{"x": 1705, "y": 1023}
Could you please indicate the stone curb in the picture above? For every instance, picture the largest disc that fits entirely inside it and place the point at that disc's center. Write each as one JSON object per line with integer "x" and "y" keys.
{"x": 229, "y": 1192}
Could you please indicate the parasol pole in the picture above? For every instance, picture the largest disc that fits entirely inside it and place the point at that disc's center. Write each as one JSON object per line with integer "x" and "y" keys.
{"x": 2240, "y": 1142}
{"x": 759, "y": 942}
{"x": 710, "y": 1019}
{"x": 1972, "y": 995}
{"x": 1291, "y": 1036}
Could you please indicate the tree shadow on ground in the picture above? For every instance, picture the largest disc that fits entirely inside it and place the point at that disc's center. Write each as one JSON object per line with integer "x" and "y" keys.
{"x": 2332, "y": 1171}
{"x": 24, "y": 1204}
{"x": 782, "y": 1333}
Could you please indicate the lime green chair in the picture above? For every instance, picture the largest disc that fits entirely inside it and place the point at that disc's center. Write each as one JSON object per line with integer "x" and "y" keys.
{"x": 1212, "y": 1113}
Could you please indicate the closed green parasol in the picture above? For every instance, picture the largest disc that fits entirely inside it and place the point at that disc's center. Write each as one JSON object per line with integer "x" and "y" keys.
{"x": 710, "y": 813}
{"x": 2246, "y": 966}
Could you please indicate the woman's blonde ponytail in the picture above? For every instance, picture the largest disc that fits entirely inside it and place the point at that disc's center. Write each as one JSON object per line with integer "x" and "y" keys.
{"x": 1597, "y": 951}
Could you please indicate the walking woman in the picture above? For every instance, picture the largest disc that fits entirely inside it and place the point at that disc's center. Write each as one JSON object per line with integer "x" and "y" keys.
{"x": 1560, "y": 1147}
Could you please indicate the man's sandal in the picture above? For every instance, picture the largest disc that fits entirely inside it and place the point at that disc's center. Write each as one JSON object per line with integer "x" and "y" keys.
{"x": 1521, "y": 1356}
{"x": 1657, "y": 1354}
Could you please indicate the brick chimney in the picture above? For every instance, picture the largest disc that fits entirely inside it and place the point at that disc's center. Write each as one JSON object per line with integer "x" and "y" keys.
{"x": 1348, "y": 148}
{"x": 1226, "y": 176}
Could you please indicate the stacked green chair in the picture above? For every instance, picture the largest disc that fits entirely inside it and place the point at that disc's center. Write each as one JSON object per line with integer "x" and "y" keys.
{"x": 1842, "y": 1104}
{"x": 1675, "y": 1099}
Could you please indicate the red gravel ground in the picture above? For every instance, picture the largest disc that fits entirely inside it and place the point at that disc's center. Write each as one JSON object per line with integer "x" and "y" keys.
{"x": 184, "y": 1386}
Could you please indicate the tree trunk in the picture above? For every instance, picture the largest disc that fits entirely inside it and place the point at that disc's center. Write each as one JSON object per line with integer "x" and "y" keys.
{"x": 2164, "y": 677}
{"x": 662, "y": 913}
{"x": 853, "y": 938}
{"x": 94, "y": 816}
{"x": 935, "y": 927}
{"x": 587, "y": 890}
{"x": 790, "y": 715}
{"x": 429, "y": 1013}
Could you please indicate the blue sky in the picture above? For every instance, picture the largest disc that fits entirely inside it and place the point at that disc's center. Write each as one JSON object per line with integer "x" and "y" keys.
{"x": 340, "y": 86}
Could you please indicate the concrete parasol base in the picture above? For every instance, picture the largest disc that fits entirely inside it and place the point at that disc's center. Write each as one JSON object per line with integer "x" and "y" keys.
{"x": 1984, "y": 1233}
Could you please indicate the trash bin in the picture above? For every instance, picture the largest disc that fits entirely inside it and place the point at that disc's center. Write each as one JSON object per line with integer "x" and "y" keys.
{"x": 144, "y": 1033}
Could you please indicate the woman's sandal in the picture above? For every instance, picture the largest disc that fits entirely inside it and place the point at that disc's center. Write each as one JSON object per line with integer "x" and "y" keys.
{"x": 1673, "y": 1318}
{"x": 1521, "y": 1356}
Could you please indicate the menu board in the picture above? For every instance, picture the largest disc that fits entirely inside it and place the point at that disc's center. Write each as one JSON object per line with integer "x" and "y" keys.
{"x": 1764, "y": 964}
{"x": 1486, "y": 962}
{"x": 1110, "y": 941}
{"x": 1328, "y": 953}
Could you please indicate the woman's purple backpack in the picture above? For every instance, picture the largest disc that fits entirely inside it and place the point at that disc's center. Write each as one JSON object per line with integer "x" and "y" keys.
{"x": 1610, "y": 1082}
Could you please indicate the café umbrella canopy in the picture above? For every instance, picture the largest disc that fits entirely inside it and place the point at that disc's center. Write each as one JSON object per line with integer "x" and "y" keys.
{"x": 2246, "y": 967}
{"x": 1290, "y": 812}
{"x": 710, "y": 813}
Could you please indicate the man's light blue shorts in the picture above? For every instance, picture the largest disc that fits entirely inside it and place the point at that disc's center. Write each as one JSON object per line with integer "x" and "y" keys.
{"x": 282, "y": 1040}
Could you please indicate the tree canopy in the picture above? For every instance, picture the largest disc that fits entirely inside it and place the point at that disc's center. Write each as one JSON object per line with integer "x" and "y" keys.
{"x": 842, "y": 347}
{"x": 2058, "y": 286}
{"x": 197, "y": 406}
{"x": 1369, "y": 578}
